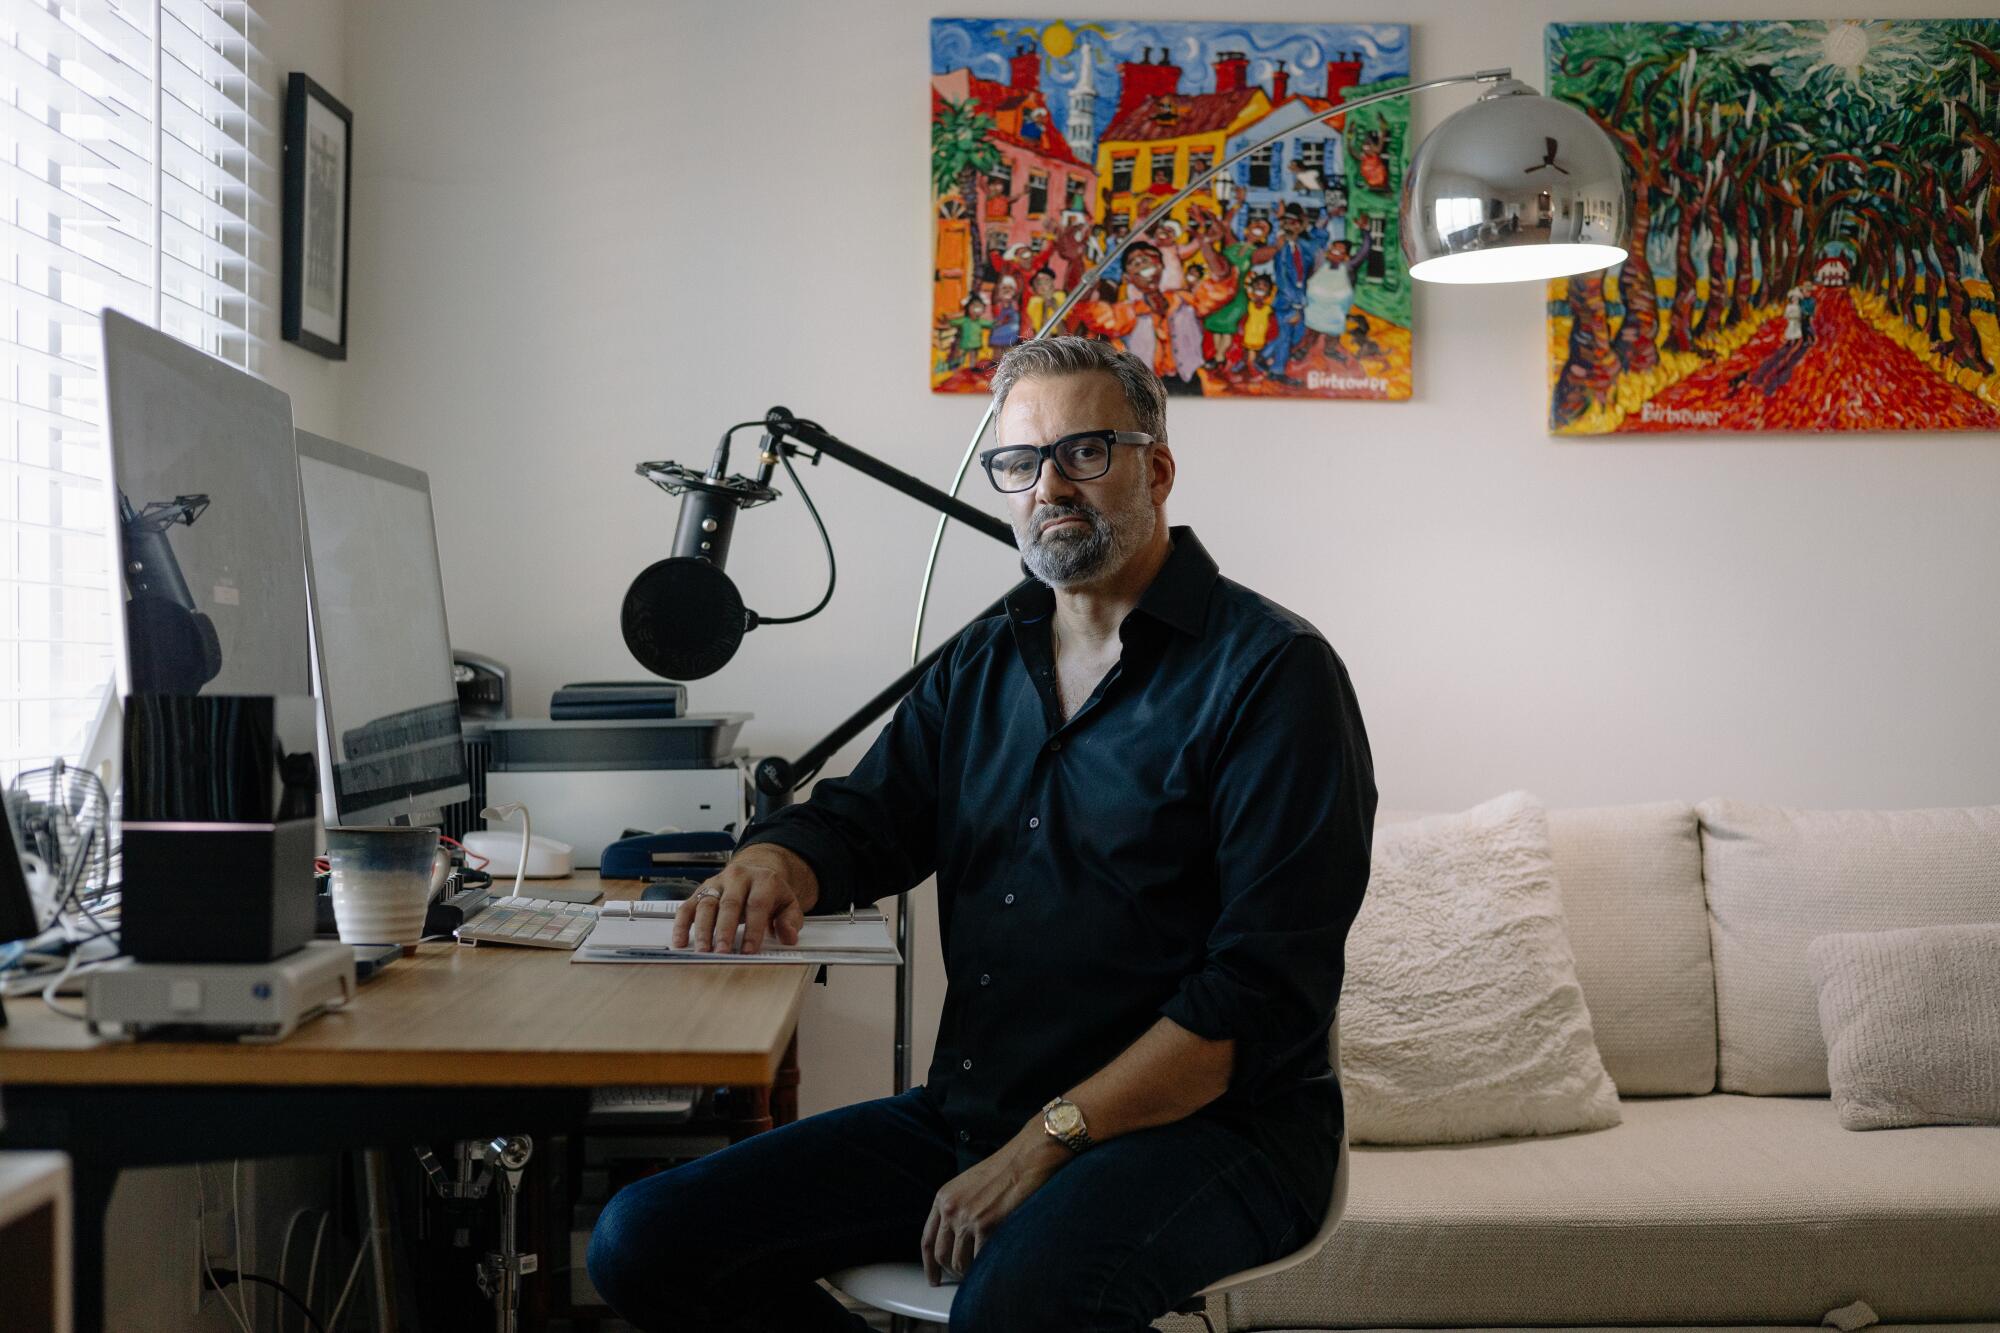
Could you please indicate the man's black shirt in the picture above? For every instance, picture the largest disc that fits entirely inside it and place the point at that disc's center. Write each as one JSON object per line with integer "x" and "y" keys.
{"x": 1193, "y": 843}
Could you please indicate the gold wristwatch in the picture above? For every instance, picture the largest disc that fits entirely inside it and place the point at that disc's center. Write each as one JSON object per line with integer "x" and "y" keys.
{"x": 1064, "y": 1123}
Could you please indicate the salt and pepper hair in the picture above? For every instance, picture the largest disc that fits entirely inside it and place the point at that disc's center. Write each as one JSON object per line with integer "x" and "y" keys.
{"x": 1064, "y": 354}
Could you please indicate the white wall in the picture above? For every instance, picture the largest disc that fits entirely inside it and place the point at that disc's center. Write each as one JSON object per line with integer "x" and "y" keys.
{"x": 306, "y": 36}
{"x": 591, "y": 234}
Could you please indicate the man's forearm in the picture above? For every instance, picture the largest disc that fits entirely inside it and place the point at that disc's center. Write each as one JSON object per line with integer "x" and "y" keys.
{"x": 1166, "y": 1075}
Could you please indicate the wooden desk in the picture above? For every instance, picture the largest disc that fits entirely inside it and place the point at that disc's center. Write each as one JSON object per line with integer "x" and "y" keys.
{"x": 459, "y": 1016}
{"x": 454, "y": 1041}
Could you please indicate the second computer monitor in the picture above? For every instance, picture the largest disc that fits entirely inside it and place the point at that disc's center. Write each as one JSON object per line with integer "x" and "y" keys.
{"x": 392, "y": 748}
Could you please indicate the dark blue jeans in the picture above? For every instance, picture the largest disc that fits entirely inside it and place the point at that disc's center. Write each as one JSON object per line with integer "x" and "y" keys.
{"x": 735, "y": 1240}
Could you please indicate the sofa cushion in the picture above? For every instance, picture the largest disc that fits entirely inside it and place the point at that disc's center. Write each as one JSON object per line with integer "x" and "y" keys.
{"x": 1630, "y": 877}
{"x": 1777, "y": 878}
{"x": 1696, "y": 1210}
{"x": 1631, "y": 890}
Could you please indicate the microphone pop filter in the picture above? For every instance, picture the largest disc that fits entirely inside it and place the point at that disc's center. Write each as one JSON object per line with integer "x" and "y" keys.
{"x": 683, "y": 618}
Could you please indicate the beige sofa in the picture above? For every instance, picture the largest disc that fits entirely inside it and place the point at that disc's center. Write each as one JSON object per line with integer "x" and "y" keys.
{"x": 1730, "y": 1196}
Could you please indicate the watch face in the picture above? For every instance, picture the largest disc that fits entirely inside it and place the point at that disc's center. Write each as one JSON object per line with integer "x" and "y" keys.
{"x": 1066, "y": 1119}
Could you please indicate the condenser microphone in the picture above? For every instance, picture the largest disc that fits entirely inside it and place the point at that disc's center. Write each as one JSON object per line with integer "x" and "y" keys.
{"x": 683, "y": 618}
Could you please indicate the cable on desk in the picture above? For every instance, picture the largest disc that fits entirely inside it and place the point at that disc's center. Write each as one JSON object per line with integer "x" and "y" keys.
{"x": 49, "y": 991}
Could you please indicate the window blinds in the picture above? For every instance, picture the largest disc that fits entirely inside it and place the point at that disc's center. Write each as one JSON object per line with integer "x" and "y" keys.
{"x": 138, "y": 170}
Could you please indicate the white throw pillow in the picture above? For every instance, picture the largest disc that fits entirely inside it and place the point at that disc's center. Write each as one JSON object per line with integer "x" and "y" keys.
{"x": 1461, "y": 1017}
{"x": 1912, "y": 1024}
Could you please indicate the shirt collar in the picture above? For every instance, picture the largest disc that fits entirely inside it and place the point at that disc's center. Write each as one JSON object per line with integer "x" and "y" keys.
{"x": 1177, "y": 596}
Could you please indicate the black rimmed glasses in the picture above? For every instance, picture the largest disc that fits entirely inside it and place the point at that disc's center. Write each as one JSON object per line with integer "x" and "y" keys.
{"x": 1084, "y": 456}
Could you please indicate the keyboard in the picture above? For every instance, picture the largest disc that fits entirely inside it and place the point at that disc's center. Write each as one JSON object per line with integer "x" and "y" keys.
{"x": 535, "y": 922}
{"x": 674, "y": 1102}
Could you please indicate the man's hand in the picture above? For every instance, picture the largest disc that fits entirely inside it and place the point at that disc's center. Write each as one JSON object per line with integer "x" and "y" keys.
{"x": 764, "y": 888}
{"x": 971, "y": 1207}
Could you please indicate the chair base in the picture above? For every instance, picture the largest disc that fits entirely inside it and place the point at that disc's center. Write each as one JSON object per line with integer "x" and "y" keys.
{"x": 897, "y": 1288}
{"x": 902, "y": 1289}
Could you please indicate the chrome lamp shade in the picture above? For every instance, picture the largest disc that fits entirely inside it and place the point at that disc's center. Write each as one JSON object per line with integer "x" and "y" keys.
{"x": 1516, "y": 187}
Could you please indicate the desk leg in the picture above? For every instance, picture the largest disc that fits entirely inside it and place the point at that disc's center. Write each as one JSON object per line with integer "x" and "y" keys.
{"x": 750, "y": 1109}
{"x": 91, "y": 1186}
{"x": 784, "y": 1102}
{"x": 382, "y": 1212}
{"x": 105, "y": 1129}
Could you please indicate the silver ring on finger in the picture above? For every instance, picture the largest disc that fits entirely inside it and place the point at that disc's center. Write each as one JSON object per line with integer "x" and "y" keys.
{"x": 701, "y": 894}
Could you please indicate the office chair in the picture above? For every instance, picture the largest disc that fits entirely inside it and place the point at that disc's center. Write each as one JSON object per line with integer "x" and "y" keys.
{"x": 901, "y": 1289}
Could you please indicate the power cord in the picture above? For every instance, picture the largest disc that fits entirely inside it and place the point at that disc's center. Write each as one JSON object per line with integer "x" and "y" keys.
{"x": 832, "y": 570}
{"x": 500, "y": 814}
{"x": 285, "y": 1261}
{"x": 360, "y": 1253}
{"x": 201, "y": 1245}
{"x": 221, "y": 1278}
{"x": 312, "y": 1268}
{"x": 49, "y": 991}
{"x": 236, "y": 1233}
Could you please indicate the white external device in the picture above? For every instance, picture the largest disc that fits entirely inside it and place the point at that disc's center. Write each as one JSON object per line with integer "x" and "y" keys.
{"x": 547, "y": 858}
{"x": 258, "y": 1002}
{"x": 590, "y": 808}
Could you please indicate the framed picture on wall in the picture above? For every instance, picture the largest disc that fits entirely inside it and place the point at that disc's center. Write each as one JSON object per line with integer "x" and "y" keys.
{"x": 1813, "y": 228}
{"x": 319, "y": 175}
{"x": 1052, "y": 141}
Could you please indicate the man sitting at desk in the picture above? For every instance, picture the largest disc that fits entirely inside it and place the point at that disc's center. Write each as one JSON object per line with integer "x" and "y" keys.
{"x": 1147, "y": 797}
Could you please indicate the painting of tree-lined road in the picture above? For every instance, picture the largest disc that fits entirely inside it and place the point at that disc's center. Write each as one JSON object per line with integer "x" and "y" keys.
{"x": 1815, "y": 228}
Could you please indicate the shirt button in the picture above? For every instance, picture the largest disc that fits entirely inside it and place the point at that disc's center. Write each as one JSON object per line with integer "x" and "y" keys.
{"x": 985, "y": 979}
{"x": 1034, "y": 821}
{"x": 1009, "y": 900}
{"x": 965, "y": 1064}
{"x": 965, "y": 1136}
{"x": 1054, "y": 746}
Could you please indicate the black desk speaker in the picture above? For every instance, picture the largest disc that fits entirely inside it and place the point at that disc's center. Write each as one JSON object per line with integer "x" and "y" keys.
{"x": 221, "y": 817}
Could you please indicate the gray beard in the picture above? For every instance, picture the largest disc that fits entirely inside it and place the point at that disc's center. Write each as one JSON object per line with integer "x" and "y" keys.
{"x": 1068, "y": 558}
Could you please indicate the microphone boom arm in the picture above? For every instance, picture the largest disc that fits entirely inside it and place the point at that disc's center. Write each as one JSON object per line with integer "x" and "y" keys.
{"x": 776, "y": 778}
{"x": 790, "y": 433}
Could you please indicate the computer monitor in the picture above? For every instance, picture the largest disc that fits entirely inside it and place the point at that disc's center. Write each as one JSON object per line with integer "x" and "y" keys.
{"x": 18, "y": 918}
{"x": 206, "y": 488}
{"x": 391, "y": 750}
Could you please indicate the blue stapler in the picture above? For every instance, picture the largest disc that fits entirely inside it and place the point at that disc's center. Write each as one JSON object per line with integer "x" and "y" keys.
{"x": 693, "y": 856}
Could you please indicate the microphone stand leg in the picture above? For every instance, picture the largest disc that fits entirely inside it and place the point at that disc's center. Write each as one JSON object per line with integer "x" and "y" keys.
{"x": 905, "y": 991}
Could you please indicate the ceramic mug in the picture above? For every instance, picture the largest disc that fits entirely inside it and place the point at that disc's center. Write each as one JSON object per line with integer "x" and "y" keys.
{"x": 383, "y": 879}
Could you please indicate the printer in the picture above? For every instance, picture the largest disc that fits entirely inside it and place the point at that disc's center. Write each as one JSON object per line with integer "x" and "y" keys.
{"x": 590, "y": 782}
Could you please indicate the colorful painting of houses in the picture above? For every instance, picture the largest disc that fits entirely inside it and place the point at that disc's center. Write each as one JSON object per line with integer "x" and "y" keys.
{"x": 1815, "y": 228}
{"x": 1052, "y": 141}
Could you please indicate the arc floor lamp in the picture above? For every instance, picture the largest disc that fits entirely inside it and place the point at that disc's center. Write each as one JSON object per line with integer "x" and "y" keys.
{"x": 1514, "y": 188}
